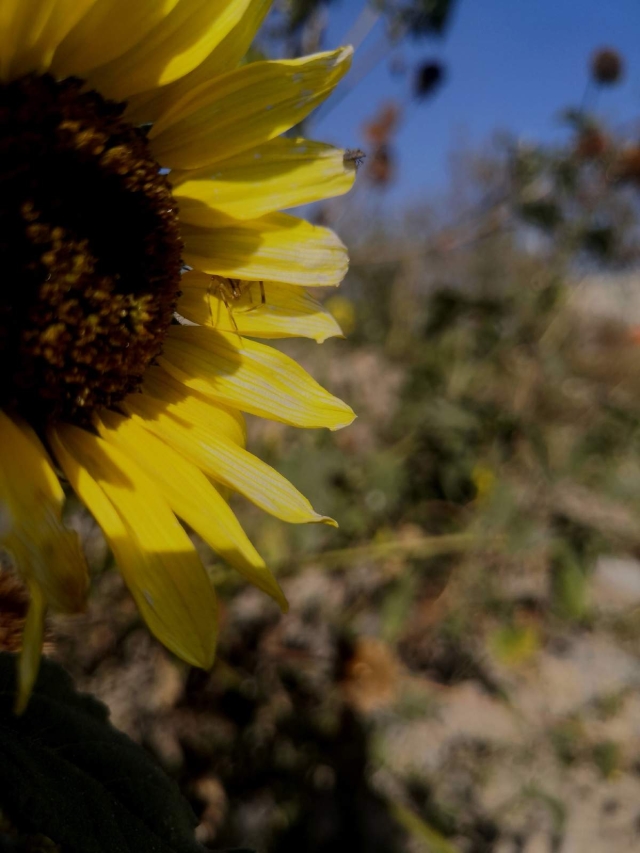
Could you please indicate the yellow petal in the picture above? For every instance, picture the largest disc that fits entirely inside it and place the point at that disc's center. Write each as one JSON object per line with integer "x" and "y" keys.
{"x": 252, "y": 377}
{"x": 31, "y": 529}
{"x": 287, "y": 312}
{"x": 192, "y": 497}
{"x": 229, "y": 423}
{"x": 173, "y": 48}
{"x": 31, "y": 30}
{"x": 156, "y": 557}
{"x": 276, "y": 247}
{"x": 108, "y": 30}
{"x": 244, "y": 108}
{"x": 222, "y": 460}
{"x": 31, "y": 652}
{"x": 280, "y": 174}
{"x": 148, "y": 106}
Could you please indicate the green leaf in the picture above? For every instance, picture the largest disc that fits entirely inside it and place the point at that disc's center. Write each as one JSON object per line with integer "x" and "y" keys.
{"x": 545, "y": 213}
{"x": 569, "y": 585}
{"x": 514, "y": 645}
{"x": 433, "y": 841}
{"x": 68, "y": 774}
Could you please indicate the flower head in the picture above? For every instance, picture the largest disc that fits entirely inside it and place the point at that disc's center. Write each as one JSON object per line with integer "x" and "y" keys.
{"x": 142, "y": 169}
{"x": 607, "y": 66}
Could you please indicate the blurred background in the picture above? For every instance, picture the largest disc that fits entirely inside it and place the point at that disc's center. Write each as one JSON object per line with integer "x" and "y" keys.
{"x": 460, "y": 667}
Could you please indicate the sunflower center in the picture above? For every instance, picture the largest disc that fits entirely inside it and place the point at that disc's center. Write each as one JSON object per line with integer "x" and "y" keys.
{"x": 90, "y": 251}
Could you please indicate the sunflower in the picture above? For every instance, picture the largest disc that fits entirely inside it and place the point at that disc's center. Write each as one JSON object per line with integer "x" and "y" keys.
{"x": 142, "y": 168}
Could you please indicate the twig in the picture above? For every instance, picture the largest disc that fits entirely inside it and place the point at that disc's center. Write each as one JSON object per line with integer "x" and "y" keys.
{"x": 424, "y": 546}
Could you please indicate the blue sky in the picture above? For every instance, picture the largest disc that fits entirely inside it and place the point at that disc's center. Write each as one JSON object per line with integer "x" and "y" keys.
{"x": 512, "y": 64}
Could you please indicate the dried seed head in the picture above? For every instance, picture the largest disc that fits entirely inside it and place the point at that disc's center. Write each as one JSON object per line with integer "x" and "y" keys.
{"x": 607, "y": 66}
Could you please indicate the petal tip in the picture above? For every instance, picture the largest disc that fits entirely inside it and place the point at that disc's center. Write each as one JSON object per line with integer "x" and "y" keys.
{"x": 274, "y": 591}
{"x": 284, "y": 605}
{"x": 20, "y": 704}
{"x": 321, "y": 337}
{"x": 205, "y": 658}
{"x": 349, "y": 418}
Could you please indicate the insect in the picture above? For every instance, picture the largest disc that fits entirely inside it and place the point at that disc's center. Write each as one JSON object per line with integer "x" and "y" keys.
{"x": 355, "y": 156}
{"x": 230, "y": 290}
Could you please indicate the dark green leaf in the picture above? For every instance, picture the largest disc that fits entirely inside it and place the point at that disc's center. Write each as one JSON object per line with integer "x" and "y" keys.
{"x": 67, "y": 773}
{"x": 543, "y": 213}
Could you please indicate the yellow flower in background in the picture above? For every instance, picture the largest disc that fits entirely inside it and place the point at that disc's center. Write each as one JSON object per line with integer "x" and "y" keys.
{"x": 141, "y": 173}
{"x": 484, "y": 479}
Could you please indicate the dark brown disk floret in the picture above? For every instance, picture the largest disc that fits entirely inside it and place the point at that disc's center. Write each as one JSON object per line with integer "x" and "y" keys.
{"x": 14, "y": 602}
{"x": 90, "y": 251}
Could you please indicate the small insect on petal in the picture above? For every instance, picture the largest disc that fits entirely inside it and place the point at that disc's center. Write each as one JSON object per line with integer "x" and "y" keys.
{"x": 354, "y": 157}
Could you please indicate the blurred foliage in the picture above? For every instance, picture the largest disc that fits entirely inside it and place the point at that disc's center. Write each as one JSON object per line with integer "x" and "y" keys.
{"x": 607, "y": 757}
{"x": 418, "y": 17}
{"x": 515, "y": 644}
{"x": 421, "y": 17}
{"x": 569, "y": 740}
{"x": 579, "y": 195}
